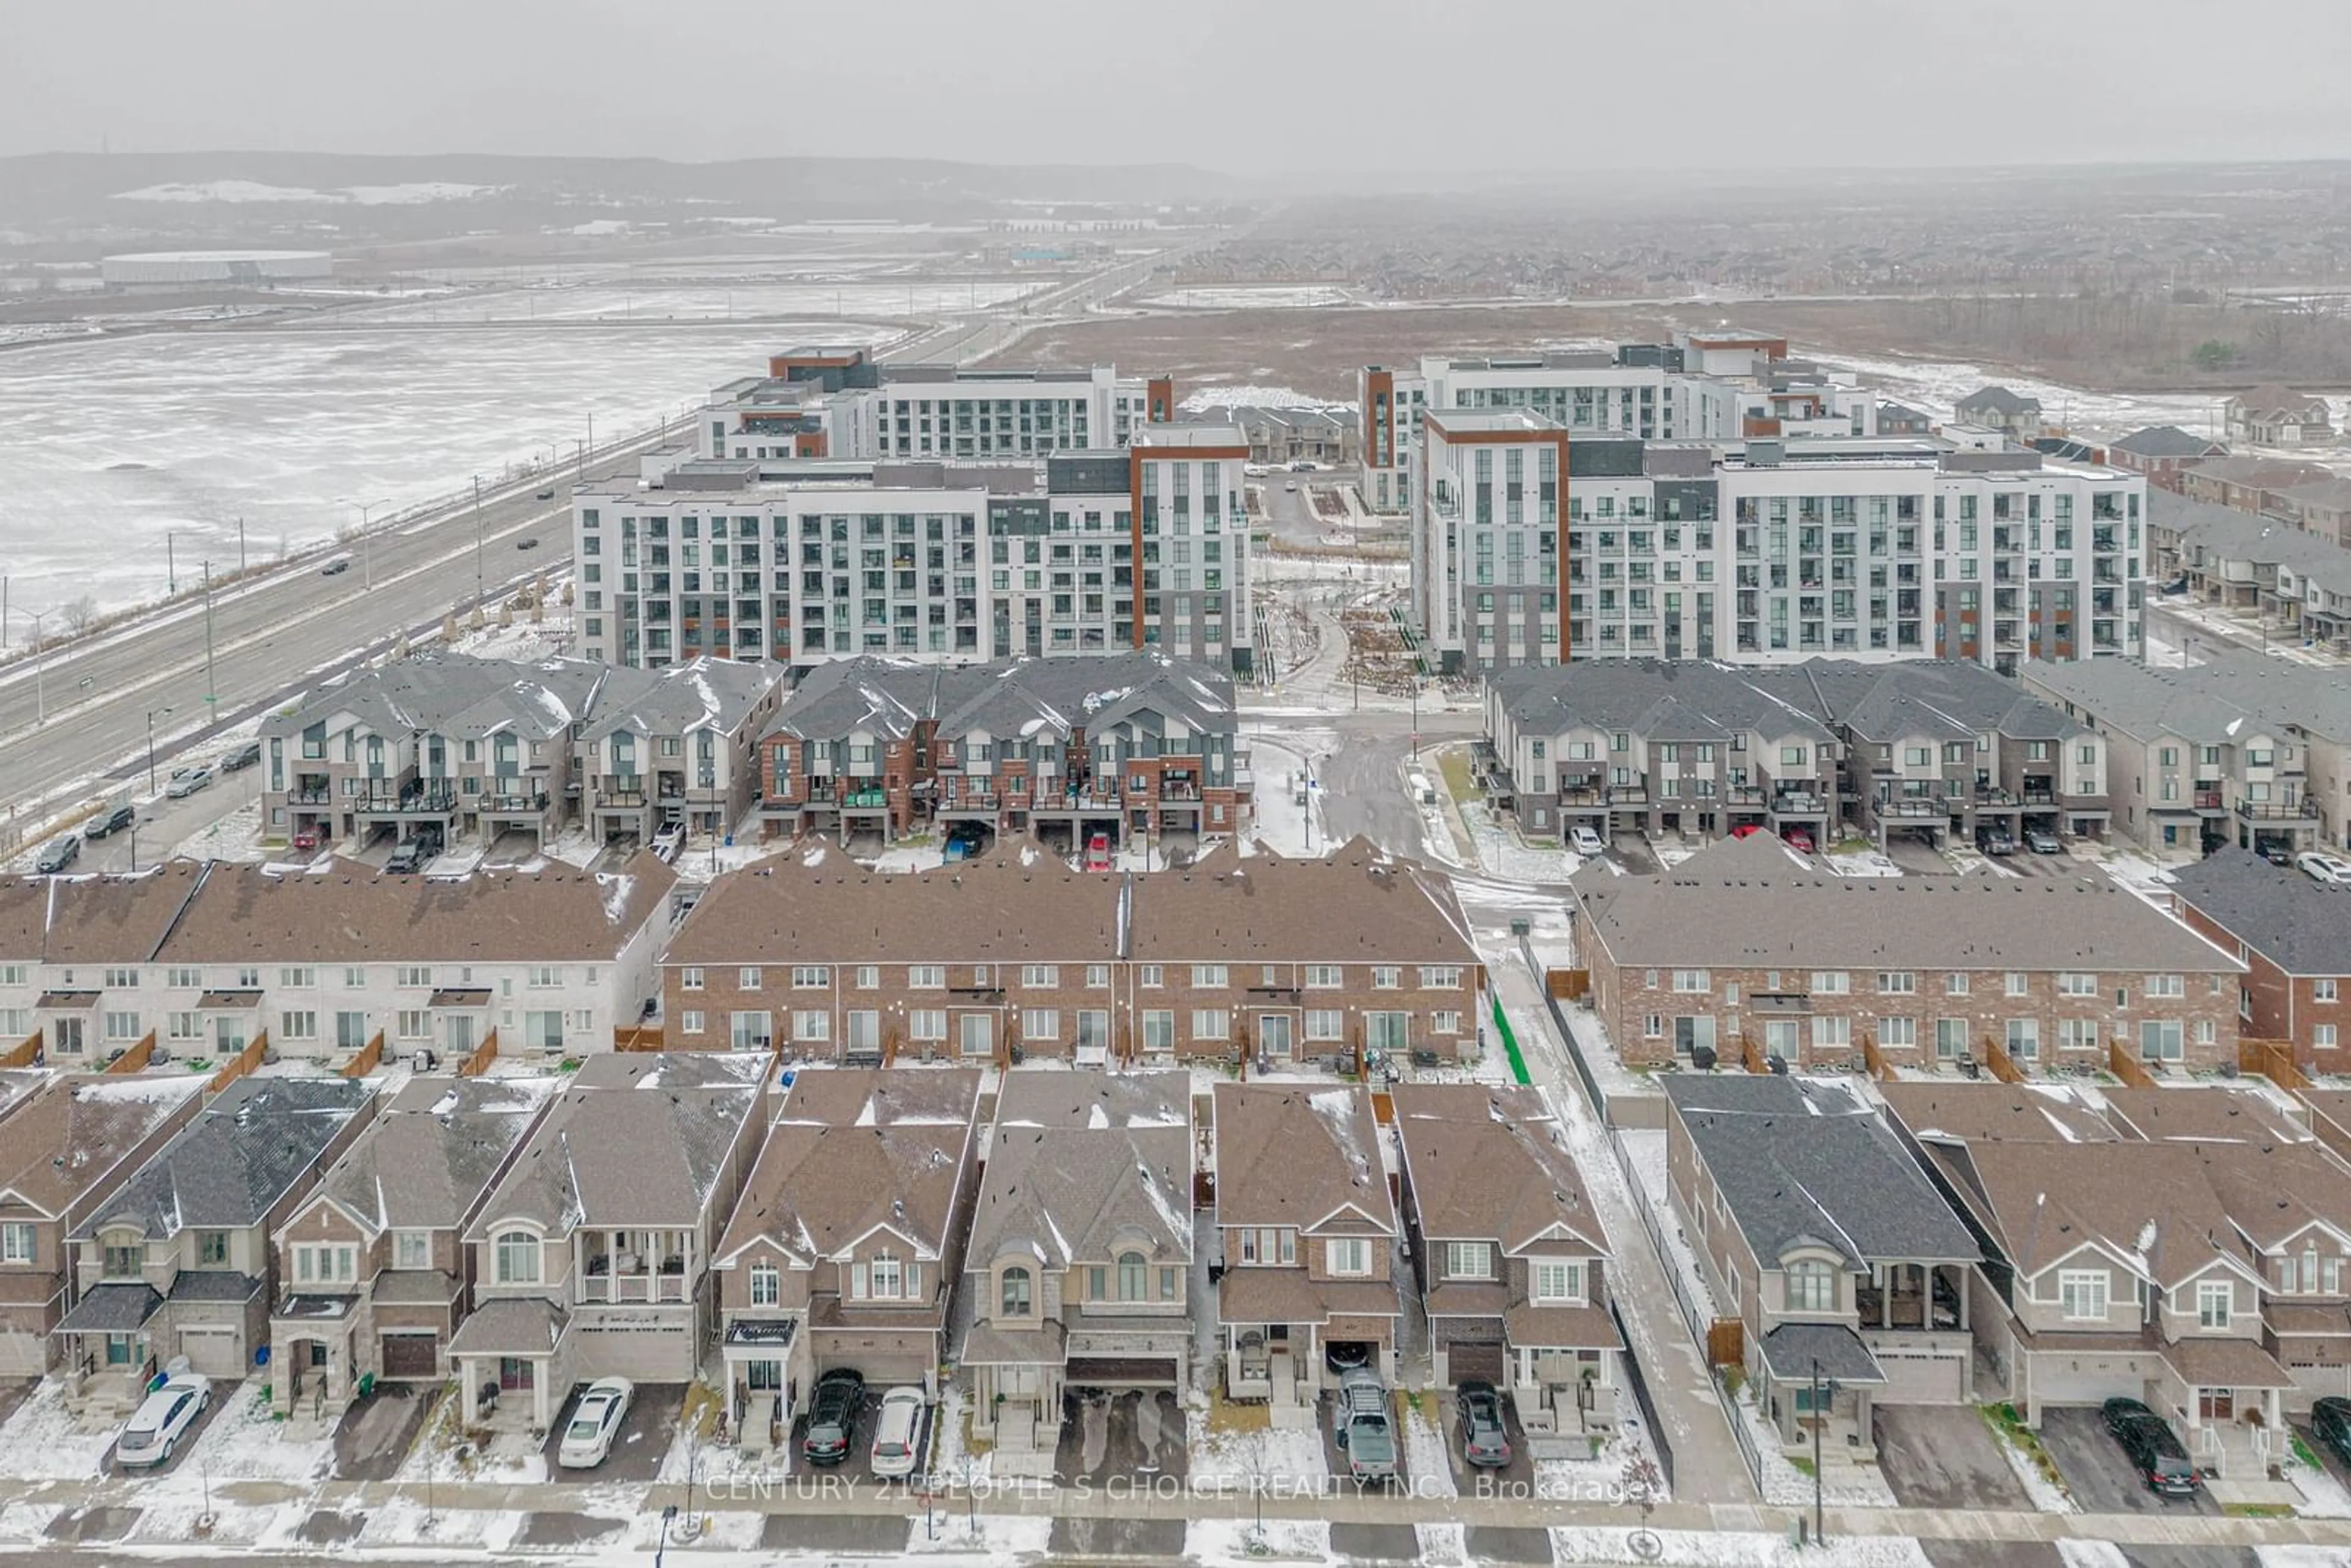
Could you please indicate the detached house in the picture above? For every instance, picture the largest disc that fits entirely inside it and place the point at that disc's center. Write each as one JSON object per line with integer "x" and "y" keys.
{"x": 845, "y": 1245}
{"x": 2275, "y": 415}
{"x": 64, "y": 1151}
{"x": 372, "y": 1265}
{"x": 591, "y": 1256}
{"x": 1511, "y": 1256}
{"x": 1307, "y": 1230}
{"x": 178, "y": 1263}
{"x": 1816, "y": 1230}
{"x": 1080, "y": 1268}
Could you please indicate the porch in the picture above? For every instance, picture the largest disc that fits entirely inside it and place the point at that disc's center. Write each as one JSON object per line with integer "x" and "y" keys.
{"x": 107, "y": 1345}
{"x": 313, "y": 1367}
{"x": 1017, "y": 1377}
{"x": 1562, "y": 1368}
{"x": 2228, "y": 1395}
{"x": 768, "y": 1365}
{"x": 512, "y": 1357}
{"x": 1820, "y": 1382}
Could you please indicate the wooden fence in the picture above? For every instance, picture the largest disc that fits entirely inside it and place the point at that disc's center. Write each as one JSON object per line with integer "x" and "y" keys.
{"x": 2273, "y": 1059}
{"x": 1726, "y": 1343}
{"x": 24, "y": 1054}
{"x": 369, "y": 1058}
{"x": 1875, "y": 1059}
{"x": 2127, "y": 1067}
{"x": 484, "y": 1054}
{"x": 136, "y": 1058}
{"x": 243, "y": 1062}
{"x": 641, "y": 1037}
{"x": 1567, "y": 984}
{"x": 2003, "y": 1066}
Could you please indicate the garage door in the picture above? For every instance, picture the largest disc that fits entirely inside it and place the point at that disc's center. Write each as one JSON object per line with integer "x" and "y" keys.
{"x": 2056, "y": 1383}
{"x": 1120, "y": 1371}
{"x": 1912, "y": 1378}
{"x": 411, "y": 1356}
{"x": 212, "y": 1350}
{"x": 1467, "y": 1359}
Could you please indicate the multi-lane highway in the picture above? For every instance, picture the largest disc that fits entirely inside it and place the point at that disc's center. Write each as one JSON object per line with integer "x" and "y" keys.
{"x": 73, "y": 718}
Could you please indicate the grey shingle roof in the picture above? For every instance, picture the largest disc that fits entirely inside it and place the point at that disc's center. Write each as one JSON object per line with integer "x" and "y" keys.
{"x": 890, "y": 697}
{"x": 455, "y": 695}
{"x": 1801, "y": 1162}
{"x": 1998, "y": 399}
{"x": 682, "y": 699}
{"x": 2165, "y": 441}
{"x": 1080, "y": 1164}
{"x": 2301, "y": 926}
{"x": 425, "y": 1162}
{"x": 240, "y": 1155}
{"x": 1796, "y": 1351}
{"x": 2231, "y": 699}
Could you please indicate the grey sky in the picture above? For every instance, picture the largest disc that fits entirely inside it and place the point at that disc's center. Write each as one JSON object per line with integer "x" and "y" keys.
{"x": 1265, "y": 86}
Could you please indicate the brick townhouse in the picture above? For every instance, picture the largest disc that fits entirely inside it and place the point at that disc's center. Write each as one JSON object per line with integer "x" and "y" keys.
{"x": 1140, "y": 746}
{"x": 1742, "y": 946}
{"x": 1013, "y": 956}
{"x": 2293, "y": 935}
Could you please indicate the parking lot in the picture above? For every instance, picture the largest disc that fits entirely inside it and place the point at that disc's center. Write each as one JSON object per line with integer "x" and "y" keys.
{"x": 1127, "y": 1434}
{"x": 1944, "y": 1456}
{"x": 646, "y": 1435}
{"x": 2103, "y": 1480}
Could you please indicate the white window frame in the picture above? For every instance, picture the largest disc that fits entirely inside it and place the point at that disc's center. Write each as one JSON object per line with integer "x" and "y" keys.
{"x": 1556, "y": 1281}
{"x": 1468, "y": 1259}
{"x": 2076, "y": 1288}
{"x": 1347, "y": 1257}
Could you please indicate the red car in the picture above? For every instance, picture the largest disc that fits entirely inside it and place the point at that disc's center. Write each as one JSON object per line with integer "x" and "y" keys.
{"x": 1745, "y": 831}
{"x": 307, "y": 839}
{"x": 1098, "y": 853}
{"x": 1800, "y": 840}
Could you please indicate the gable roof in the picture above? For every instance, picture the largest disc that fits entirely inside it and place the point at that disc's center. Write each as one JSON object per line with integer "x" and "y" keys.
{"x": 2168, "y": 441}
{"x": 1082, "y": 1166}
{"x": 103, "y": 920}
{"x": 701, "y": 693}
{"x": 637, "y": 1140}
{"x": 2275, "y": 400}
{"x": 869, "y": 1147}
{"x": 73, "y": 1133}
{"x": 1801, "y": 1164}
{"x": 888, "y": 697}
{"x": 1296, "y": 1154}
{"x": 2301, "y": 926}
{"x": 1491, "y": 1162}
{"x": 1983, "y": 1112}
{"x": 348, "y": 912}
{"x": 428, "y": 1158}
{"x": 2208, "y": 1113}
{"x": 2148, "y": 1204}
{"x": 1354, "y": 905}
{"x": 2000, "y": 399}
{"x": 452, "y": 694}
{"x": 230, "y": 1165}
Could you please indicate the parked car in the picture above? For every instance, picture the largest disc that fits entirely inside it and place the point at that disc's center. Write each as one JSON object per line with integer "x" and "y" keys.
{"x": 2323, "y": 866}
{"x": 832, "y": 1417}
{"x": 2330, "y": 1423}
{"x": 112, "y": 821}
{"x": 1360, "y": 1423}
{"x": 1484, "y": 1440}
{"x": 2042, "y": 842}
{"x": 897, "y": 1434}
{"x": 1996, "y": 841}
{"x": 60, "y": 854}
{"x": 2278, "y": 855}
{"x": 407, "y": 857}
{"x": 1292, "y": 484}
{"x": 1098, "y": 853}
{"x": 187, "y": 781}
{"x": 1745, "y": 831}
{"x": 162, "y": 1418}
{"x": 337, "y": 567}
{"x": 525, "y": 544}
{"x": 2154, "y": 1449}
{"x": 668, "y": 840}
{"x": 1344, "y": 1355}
{"x": 547, "y": 494}
{"x": 242, "y": 757}
{"x": 588, "y": 1440}
{"x": 306, "y": 838}
{"x": 1798, "y": 838}
{"x": 1584, "y": 842}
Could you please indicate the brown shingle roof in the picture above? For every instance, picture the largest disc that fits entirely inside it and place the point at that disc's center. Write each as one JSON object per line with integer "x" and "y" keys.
{"x": 1356, "y": 905}
{"x": 74, "y": 1133}
{"x": 349, "y": 914}
{"x": 2001, "y": 1112}
{"x": 1297, "y": 1154}
{"x": 118, "y": 919}
{"x": 430, "y": 1157}
{"x": 1490, "y": 1162}
{"x": 2146, "y": 1203}
{"x": 2204, "y": 1113}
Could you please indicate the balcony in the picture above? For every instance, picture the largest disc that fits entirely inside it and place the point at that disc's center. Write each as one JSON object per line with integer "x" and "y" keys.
{"x": 2277, "y": 811}
{"x": 1179, "y": 789}
{"x": 1993, "y": 795}
{"x": 1628, "y": 794}
{"x": 532, "y": 802}
{"x": 311, "y": 795}
{"x": 1911, "y": 808}
{"x": 1746, "y": 795}
{"x": 1798, "y": 803}
{"x": 2209, "y": 800}
{"x": 437, "y": 799}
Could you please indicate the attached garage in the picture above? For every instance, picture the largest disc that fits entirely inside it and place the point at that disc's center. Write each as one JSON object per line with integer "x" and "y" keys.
{"x": 1486, "y": 1360}
{"x": 1922, "y": 1375}
{"x": 410, "y": 1357}
{"x": 212, "y": 1350}
{"x": 1122, "y": 1372}
{"x": 881, "y": 1359}
{"x": 2055, "y": 1378}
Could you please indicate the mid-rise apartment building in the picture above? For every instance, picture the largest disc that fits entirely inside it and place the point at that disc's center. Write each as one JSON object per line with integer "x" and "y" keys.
{"x": 1042, "y": 552}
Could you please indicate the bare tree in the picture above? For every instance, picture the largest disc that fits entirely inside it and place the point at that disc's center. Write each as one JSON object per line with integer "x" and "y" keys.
{"x": 78, "y": 614}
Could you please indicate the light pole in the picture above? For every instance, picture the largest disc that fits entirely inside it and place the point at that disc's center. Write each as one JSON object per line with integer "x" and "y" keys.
{"x": 212, "y": 688}
{"x": 367, "y": 549}
{"x": 151, "y": 746}
{"x": 40, "y": 664}
{"x": 477, "y": 543}
{"x": 1820, "y": 1419}
{"x": 669, "y": 1512}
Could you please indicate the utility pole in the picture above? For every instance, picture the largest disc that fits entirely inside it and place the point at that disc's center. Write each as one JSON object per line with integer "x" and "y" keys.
{"x": 170, "y": 571}
{"x": 240, "y": 546}
{"x": 1820, "y": 1419}
{"x": 478, "y": 542}
{"x": 211, "y": 687}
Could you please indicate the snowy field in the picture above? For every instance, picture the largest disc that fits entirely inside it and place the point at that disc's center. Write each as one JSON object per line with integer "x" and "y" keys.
{"x": 1254, "y": 297}
{"x": 851, "y": 293}
{"x": 107, "y": 445}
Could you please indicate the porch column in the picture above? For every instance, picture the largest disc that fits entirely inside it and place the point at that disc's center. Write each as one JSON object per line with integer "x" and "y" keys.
{"x": 1961, "y": 1291}
{"x": 1893, "y": 1277}
{"x": 542, "y": 1376}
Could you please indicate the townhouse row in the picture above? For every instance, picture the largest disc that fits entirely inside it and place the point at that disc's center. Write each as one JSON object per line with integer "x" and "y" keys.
{"x": 1982, "y": 1242}
{"x": 1132, "y": 744}
{"x": 1941, "y": 750}
{"x": 663, "y": 1217}
{"x": 1744, "y": 951}
{"x": 1358, "y": 959}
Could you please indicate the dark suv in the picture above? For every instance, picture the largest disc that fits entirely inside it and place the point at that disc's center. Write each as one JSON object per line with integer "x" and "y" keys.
{"x": 832, "y": 1417}
{"x": 2330, "y": 1423}
{"x": 2154, "y": 1449}
{"x": 114, "y": 821}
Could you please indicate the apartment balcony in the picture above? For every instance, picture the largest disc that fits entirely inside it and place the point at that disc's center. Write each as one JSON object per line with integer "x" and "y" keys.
{"x": 869, "y": 799}
{"x": 1799, "y": 803}
{"x": 311, "y": 795}
{"x": 1913, "y": 807}
{"x": 1179, "y": 790}
{"x": 2209, "y": 800}
{"x": 532, "y": 802}
{"x": 637, "y": 1287}
{"x": 1993, "y": 795}
{"x": 619, "y": 798}
{"x": 1628, "y": 795}
{"x": 2277, "y": 811}
{"x": 435, "y": 799}
{"x": 966, "y": 801}
{"x": 1748, "y": 796}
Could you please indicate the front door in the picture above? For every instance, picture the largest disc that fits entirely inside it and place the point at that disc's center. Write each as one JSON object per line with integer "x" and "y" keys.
{"x": 2216, "y": 1403}
{"x": 516, "y": 1375}
{"x": 1779, "y": 1039}
{"x": 1273, "y": 1034}
{"x": 764, "y": 1376}
{"x": 228, "y": 1035}
{"x": 457, "y": 1032}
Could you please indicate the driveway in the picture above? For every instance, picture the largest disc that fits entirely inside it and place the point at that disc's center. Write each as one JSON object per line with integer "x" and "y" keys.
{"x": 222, "y": 1392}
{"x": 1516, "y": 1479}
{"x": 1632, "y": 851}
{"x": 1944, "y": 1456}
{"x": 376, "y": 1433}
{"x": 1914, "y": 856}
{"x": 1335, "y": 1457}
{"x": 646, "y": 1435}
{"x": 1126, "y": 1435}
{"x": 2104, "y": 1481}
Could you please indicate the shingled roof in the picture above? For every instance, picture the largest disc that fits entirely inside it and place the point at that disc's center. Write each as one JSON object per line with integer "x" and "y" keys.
{"x": 1489, "y": 1162}
{"x": 229, "y": 1167}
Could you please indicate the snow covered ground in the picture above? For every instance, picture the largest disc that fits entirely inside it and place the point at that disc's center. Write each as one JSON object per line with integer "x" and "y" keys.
{"x": 42, "y": 1441}
{"x": 245, "y": 1441}
{"x": 1253, "y": 297}
{"x": 1215, "y": 397}
{"x": 1217, "y": 1541}
{"x": 1724, "y": 1549}
{"x": 1245, "y": 1449}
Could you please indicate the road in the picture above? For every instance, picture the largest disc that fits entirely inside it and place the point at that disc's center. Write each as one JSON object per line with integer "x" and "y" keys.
{"x": 72, "y": 718}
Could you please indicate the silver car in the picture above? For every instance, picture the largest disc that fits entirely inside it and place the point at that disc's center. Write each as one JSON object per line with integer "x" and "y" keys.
{"x": 162, "y": 1419}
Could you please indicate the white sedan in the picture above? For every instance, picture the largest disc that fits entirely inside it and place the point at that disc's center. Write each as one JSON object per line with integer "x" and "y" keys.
{"x": 162, "y": 1419}
{"x": 588, "y": 1441}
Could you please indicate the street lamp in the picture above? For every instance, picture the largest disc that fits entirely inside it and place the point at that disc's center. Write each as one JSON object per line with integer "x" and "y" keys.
{"x": 40, "y": 663}
{"x": 367, "y": 549}
{"x": 669, "y": 1512}
{"x": 151, "y": 746}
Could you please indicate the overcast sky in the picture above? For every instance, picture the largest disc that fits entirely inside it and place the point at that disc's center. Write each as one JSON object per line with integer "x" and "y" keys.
{"x": 1240, "y": 85}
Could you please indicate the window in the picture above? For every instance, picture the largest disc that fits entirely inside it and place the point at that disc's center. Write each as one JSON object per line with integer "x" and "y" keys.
{"x": 927, "y": 977}
{"x": 810, "y": 977}
{"x": 1556, "y": 1281}
{"x": 746, "y": 978}
{"x": 18, "y": 1243}
{"x": 689, "y": 978}
{"x": 544, "y": 976}
{"x": 1133, "y": 1278}
{"x": 2322, "y": 1036}
{"x": 1955, "y": 984}
{"x": 1205, "y": 975}
{"x": 1159, "y": 1030}
{"x": 1468, "y": 1260}
{"x": 1016, "y": 1294}
{"x": 1897, "y": 983}
{"x": 2023, "y": 1038}
{"x": 767, "y": 1284}
{"x": 2322, "y": 990}
{"x": 323, "y": 1265}
{"x": 886, "y": 1278}
{"x": 2081, "y": 1294}
{"x": 1347, "y": 1255}
{"x": 1097, "y": 977}
{"x": 125, "y": 1260}
{"x": 689, "y": 1021}
{"x": 1691, "y": 981}
{"x": 299, "y": 978}
{"x": 1041, "y": 1023}
{"x": 354, "y": 978}
{"x": 1326, "y": 1023}
{"x": 1211, "y": 1024}
{"x": 1040, "y": 974}
{"x": 811, "y": 1023}
{"x": 212, "y": 1248}
{"x": 414, "y": 1023}
{"x": 1386, "y": 977}
{"x": 926, "y": 1025}
{"x": 1897, "y": 1033}
{"x": 2018, "y": 983}
{"x": 2215, "y": 1299}
{"x": 515, "y": 1259}
{"x": 1331, "y": 976}
{"x": 1831, "y": 1034}
{"x": 1832, "y": 983}
{"x": 420, "y": 975}
{"x": 1150, "y": 976}
{"x": 1440, "y": 977}
{"x": 2159, "y": 1040}
{"x": 123, "y": 1026}
{"x": 411, "y": 1249}
{"x": 2073, "y": 983}
{"x": 1812, "y": 1287}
